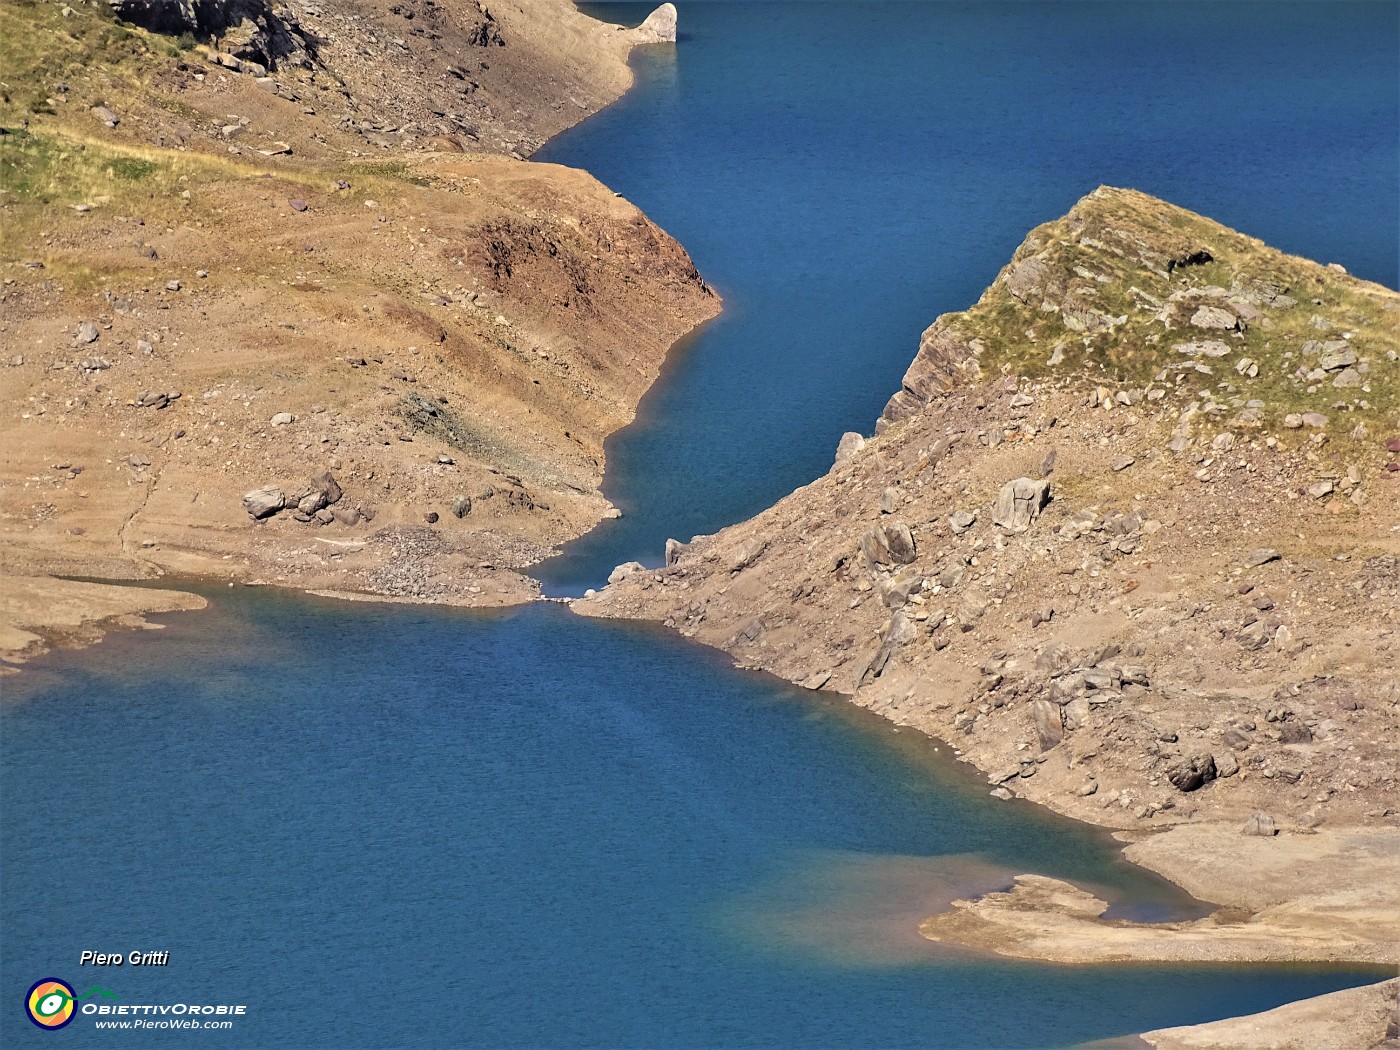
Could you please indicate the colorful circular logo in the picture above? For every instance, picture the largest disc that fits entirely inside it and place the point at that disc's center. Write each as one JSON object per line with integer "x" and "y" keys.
{"x": 50, "y": 1003}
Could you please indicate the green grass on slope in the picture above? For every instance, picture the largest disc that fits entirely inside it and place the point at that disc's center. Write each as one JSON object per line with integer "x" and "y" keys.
{"x": 1117, "y": 258}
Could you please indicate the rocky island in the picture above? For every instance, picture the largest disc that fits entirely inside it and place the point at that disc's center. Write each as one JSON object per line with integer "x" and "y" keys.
{"x": 1127, "y": 538}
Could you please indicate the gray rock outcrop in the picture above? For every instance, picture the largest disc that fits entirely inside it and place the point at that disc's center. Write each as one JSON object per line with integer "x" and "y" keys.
{"x": 849, "y": 447}
{"x": 264, "y": 502}
{"x": 659, "y": 27}
{"x": 1020, "y": 502}
{"x": 947, "y": 358}
{"x": 890, "y": 544}
{"x": 625, "y": 570}
{"x": 326, "y": 484}
{"x": 255, "y": 31}
{"x": 1049, "y": 724}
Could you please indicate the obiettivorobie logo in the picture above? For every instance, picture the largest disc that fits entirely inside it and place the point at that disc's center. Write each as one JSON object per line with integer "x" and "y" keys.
{"x": 51, "y": 1003}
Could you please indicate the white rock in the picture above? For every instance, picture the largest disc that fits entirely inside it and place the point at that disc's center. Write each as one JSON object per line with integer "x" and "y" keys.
{"x": 849, "y": 447}
{"x": 659, "y": 27}
{"x": 625, "y": 570}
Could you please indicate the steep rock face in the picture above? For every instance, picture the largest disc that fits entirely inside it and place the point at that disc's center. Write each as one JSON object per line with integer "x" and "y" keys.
{"x": 251, "y": 30}
{"x": 465, "y": 77}
{"x": 1144, "y": 583}
{"x": 947, "y": 359}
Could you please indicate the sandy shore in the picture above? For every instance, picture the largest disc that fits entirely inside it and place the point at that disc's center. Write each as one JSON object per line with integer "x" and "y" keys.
{"x": 1325, "y": 896}
{"x": 1353, "y": 1019}
{"x": 38, "y": 613}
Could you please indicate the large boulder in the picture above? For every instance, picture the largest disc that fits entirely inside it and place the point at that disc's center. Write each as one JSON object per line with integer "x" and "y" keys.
{"x": 1020, "y": 502}
{"x": 1261, "y": 825}
{"x": 896, "y": 591}
{"x": 972, "y": 608}
{"x": 659, "y": 27}
{"x": 625, "y": 570}
{"x": 1291, "y": 732}
{"x": 264, "y": 502}
{"x": 849, "y": 447}
{"x": 1192, "y": 773}
{"x": 327, "y": 486}
{"x": 1049, "y": 723}
{"x": 1214, "y": 317}
{"x": 900, "y": 542}
{"x": 1336, "y": 356}
{"x": 899, "y": 631}
{"x": 889, "y": 544}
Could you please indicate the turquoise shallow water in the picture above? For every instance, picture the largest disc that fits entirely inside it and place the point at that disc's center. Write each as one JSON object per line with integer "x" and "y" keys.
{"x": 385, "y": 826}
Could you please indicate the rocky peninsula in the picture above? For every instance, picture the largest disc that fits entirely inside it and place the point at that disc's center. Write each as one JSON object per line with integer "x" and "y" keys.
{"x": 283, "y": 304}
{"x": 1127, "y": 539}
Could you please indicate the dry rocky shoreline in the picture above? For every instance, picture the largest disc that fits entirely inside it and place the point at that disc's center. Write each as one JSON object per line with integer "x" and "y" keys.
{"x": 267, "y": 319}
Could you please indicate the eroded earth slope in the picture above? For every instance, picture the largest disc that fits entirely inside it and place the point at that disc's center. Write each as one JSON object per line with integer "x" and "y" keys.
{"x": 243, "y": 340}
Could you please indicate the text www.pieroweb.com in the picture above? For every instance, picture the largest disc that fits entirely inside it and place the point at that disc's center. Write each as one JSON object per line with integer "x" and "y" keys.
{"x": 176, "y": 1016}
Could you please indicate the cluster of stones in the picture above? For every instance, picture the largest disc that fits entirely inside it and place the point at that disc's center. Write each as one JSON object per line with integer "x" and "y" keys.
{"x": 314, "y": 502}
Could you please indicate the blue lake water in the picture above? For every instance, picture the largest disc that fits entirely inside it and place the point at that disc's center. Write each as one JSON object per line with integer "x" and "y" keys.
{"x": 843, "y": 173}
{"x": 392, "y": 826}
{"x": 383, "y": 826}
